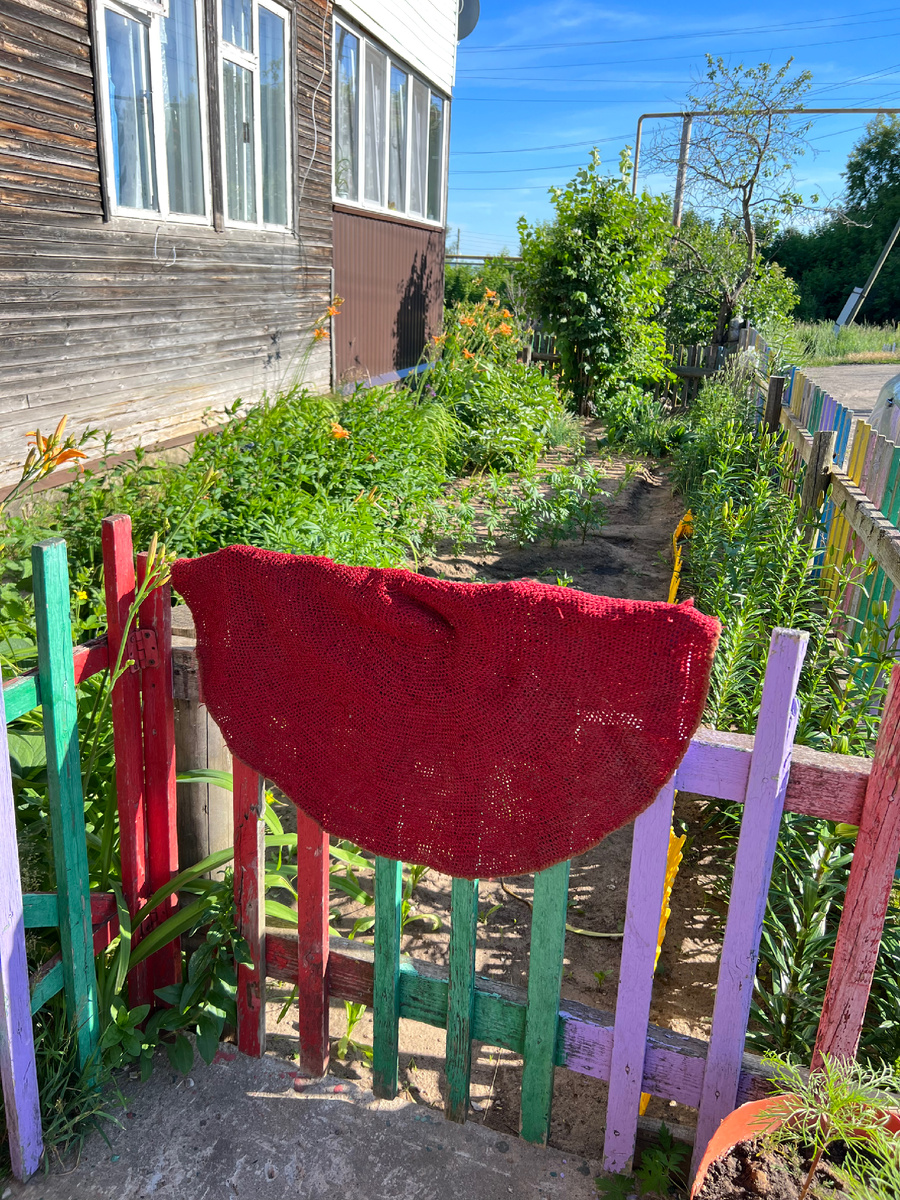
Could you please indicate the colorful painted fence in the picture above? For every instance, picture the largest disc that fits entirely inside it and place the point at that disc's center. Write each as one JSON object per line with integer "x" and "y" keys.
{"x": 145, "y": 785}
{"x": 859, "y": 540}
{"x": 765, "y": 773}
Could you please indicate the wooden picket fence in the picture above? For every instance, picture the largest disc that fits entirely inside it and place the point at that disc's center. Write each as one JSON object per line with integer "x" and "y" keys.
{"x": 765, "y": 773}
{"x": 858, "y": 470}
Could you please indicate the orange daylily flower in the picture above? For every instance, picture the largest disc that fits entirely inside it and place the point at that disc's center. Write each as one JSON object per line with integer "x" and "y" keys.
{"x": 469, "y": 321}
{"x": 468, "y": 354}
{"x": 489, "y": 295}
{"x": 505, "y": 329}
{"x": 438, "y": 338}
{"x": 332, "y": 311}
{"x": 507, "y": 314}
{"x": 338, "y": 431}
{"x": 50, "y": 452}
{"x": 319, "y": 333}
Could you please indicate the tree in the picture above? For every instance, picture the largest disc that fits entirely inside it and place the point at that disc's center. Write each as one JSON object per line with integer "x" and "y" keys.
{"x": 594, "y": 277}
{"x": 836, "y": 255}
{"x": 739, "y": 172}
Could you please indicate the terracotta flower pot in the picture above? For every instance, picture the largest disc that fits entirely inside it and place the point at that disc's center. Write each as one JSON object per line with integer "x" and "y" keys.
{"x": 752, "y": 1121}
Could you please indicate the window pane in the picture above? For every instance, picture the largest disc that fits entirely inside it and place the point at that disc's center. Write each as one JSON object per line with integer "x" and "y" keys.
{"x": 273, "y": 117}
{"x": 346, "y": 148}
{"x": 397, "y": 165}
{"x": 376, "y": 78}
{"x": 418, "y": 165}
{"x": 240, "y": 184}
{"x": 181, "y": 100}
{"x": 128, "y": 69}
{"x": 435, "y": 157}
{"x": 237, "y": 23}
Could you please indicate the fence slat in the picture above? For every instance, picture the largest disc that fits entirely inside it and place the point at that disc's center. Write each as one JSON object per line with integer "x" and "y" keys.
{"x": 119, "y": 585}
{"x": 461, "y": 998}
{"x": 159, "y": 773}
{"x": 766, "y": 787}
{"x": 249, "y": 909}
{"x": 868, "y": 893}
{"x": 17, "y": 1066}
{"x": 646, "y": 885}
{"x": 60, "y": 710}
{"x": 312, "y": 932}
{"x": 386, "y": 994}
{"x": 548, "y": 939}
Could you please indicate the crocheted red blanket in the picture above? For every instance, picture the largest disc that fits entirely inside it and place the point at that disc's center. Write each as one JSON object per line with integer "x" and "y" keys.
{"x": 483, "y": 729}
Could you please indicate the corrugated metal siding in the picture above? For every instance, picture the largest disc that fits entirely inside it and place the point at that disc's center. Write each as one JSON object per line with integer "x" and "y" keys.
{"x": 138, "y": 326}
{"x": 391, "y": 276}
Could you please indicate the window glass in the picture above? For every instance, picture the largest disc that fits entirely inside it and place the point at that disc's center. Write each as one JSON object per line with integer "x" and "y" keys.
{"x": 237, "y": 23}
{"x": 435, "y": 157}
{"x": 418, "y": 165}
{"x": 128, "y": 69}
{"x": 181, "y": 105}
{"x": 376, "y": 106}
{"x": 346, "y": 149}
{"x": 240, "y": 175}
{"x": 397, "y": 163}
{"x": 273, "y": 116}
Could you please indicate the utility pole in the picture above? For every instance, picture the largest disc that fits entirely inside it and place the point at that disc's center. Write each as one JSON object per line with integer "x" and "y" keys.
{"x": 861, "y": 294}
{"x": 678, "y": 206}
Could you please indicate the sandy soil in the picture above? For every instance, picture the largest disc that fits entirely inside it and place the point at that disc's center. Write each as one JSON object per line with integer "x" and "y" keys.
{"x": 630, "y": 557}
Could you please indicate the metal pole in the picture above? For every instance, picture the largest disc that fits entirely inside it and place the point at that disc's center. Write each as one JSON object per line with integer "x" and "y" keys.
{"x": 678, "y": 206}
{"x": 889, "y": 245}
{"x": 637, "y": 155}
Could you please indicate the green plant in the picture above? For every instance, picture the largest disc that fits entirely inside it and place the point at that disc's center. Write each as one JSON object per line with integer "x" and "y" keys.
{"x": 593, "y": 276}
{"x": 660, "y": 1170}
{"x": 839, "y": 1101}
{"x": 346, "y": 1044}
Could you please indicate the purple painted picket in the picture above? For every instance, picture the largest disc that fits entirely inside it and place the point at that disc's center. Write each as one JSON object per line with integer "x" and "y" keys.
{"x": 17, "y": 1065}
{"x": 646, "y": 883}
{"x": 763, "y": 806}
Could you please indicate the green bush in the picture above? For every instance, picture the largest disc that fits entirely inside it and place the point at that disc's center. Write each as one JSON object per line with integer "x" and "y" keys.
{"x": 594, "y": 277}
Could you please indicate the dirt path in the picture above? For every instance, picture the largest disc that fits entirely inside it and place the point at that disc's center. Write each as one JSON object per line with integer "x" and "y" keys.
{"x": 630, "y": 558}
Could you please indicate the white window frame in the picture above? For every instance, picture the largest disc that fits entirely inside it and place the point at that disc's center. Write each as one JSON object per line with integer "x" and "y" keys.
{"x": 150, "y": 14}
{"x": 360, "y": 201}
{"x": 250, "y": 61}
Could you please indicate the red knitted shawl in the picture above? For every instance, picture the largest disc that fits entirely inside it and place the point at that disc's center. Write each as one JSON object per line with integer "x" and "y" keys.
{"x": 483, "y": 729}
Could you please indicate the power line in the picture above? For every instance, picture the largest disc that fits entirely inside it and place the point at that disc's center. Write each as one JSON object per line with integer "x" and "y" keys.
{"x": 515, "y": 170}
{"x": 806, "y": 23}
{"x": 533, "y": 149}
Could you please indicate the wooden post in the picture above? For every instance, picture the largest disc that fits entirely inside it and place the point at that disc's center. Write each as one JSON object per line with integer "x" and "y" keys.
{"x": 386, "y": 990}
{"x": 816, "y": 476}
{"x": 766, "y": 786}
{"x": 205, "y": 811}
{"x": 868, "y": 893}
{"x": 312, "y": 945}
{"x": 17, "y": 1065}
{"x": 119, "y": 585}
{"x": 461, "y": 996}
{"x": 60, "y": 711}
{"x": 545, "y": 966}
{"x": 249, "y": 907}
{"x": 646, "y": 886}
{"x": 772, "y": 414}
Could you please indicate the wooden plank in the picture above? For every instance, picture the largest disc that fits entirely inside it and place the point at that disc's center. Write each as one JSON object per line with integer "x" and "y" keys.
{"x": 816, "y": 476}
{"x": 17, "y": 1063}
{"x": 868, "y": 894}
{"x": 881, "y": 538}
{"x": 119, "y": 586}
{"x": 386, "y": 993}
{"x": 160, "y": 803}
{"x": 646, "y": 885}
{"x": 461, "y": 996}
{"x": 760, "y": 823}
{"x": 54, "y": 632}
{"x": 47, "y": 985}
{"x": 41, "y": 909}
{"x": 313, "y": 868}
{"x": 249, "y": 906}
{"x": 23, "y": 693}
{"x": 545, "y": 965}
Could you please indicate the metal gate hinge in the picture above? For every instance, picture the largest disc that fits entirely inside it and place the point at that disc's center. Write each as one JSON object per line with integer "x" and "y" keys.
{"x": 142, "y": 649}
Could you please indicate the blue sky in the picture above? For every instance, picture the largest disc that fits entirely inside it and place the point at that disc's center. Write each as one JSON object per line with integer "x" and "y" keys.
{"x": 538, "y": 85}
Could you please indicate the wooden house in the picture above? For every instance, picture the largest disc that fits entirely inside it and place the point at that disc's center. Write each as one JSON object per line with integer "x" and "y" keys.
{"x": 184, "y": 185}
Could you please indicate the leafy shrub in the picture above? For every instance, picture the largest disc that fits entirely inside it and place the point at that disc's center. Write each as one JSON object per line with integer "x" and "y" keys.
{"x": 594, "y": 276}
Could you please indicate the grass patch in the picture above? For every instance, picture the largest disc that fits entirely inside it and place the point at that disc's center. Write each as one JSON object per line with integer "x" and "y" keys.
{"x": 820, "y": 346}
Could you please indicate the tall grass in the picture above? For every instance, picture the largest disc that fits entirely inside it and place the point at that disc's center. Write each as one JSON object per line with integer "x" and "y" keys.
{"x": 820, "y": 346}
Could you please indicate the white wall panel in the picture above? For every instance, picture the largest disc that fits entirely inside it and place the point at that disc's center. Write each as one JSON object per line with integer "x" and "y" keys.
{"x": 423, "y": 32}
